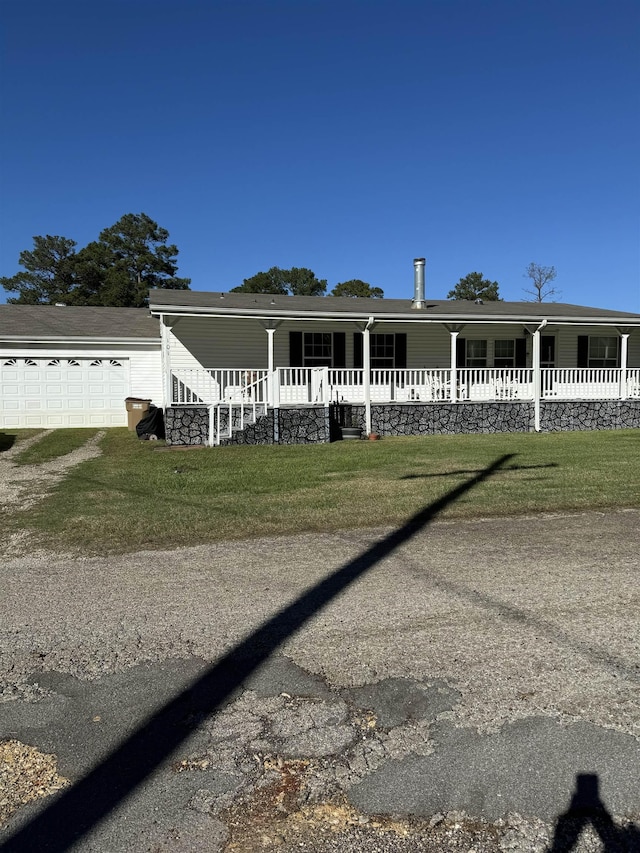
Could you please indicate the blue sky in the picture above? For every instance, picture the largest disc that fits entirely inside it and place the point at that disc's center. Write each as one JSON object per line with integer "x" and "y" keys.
{"x": 348, "y": 137}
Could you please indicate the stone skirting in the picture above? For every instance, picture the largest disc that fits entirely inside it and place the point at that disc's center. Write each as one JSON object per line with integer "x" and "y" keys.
{"x": 451, "y": 418}
{"x": 565, "y": 416}
{"x": 190, "y": 425}
{"x": 186, "y": 425}
{"x": 317, "y": 425}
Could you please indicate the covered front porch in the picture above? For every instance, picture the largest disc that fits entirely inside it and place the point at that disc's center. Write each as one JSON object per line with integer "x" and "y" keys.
{"x": 444, "y": 365}
{"x": 236, "y": 398}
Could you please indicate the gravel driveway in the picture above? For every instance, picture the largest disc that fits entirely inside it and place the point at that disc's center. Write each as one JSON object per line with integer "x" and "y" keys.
{"x": 455, "y": 696}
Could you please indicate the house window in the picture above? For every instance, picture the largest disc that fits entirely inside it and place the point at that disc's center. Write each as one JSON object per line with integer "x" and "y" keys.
{"x": 317, "y": 349}
{"x": 547, "y": 351}
{"x": 383, "y": 352}
{"x": 504, "y": 354}
{"x": 603, "y": 352}
{"x": 476, "y": 353}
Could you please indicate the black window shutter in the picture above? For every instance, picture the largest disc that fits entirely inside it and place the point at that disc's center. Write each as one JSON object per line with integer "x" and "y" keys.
{"x": 461, "y": 352}
{"x": 339, "y": 349}
{"x": 583, "y": 350}
{"x": 401, "y": 350}
{"x": 295, "y": 349}
{"x": 521, "y": 352}
{"x": 357, "y": 350}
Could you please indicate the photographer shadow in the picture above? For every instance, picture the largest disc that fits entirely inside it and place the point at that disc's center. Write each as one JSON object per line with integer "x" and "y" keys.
{"x": 587, "y": 809}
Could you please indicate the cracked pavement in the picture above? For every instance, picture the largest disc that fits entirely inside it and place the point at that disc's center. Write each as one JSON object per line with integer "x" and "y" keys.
{"x": 451, "y": 698}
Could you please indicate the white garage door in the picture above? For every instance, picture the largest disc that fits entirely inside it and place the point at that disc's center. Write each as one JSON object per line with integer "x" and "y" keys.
{"x": 63, "y": 392}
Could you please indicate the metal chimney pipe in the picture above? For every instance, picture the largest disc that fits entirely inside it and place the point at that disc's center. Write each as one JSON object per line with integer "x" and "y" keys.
{"x": 418, "y": 283}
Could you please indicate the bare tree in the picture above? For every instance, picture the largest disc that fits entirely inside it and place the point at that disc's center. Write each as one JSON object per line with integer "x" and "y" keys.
{"x": 541, "y": 278}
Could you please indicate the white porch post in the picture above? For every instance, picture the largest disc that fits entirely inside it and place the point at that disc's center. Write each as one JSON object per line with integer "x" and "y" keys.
{"x": 537, "y": 376}
{"x": 366, "y": 364}
{"x": 165, "y": 359}
{"x": 454, "y": 331}
{"x": 454, "y": 365}
{"x": 273, "y": 392}
{"x": 624, "y": 348}
{"x": 537, "y": 385}
{"x": 270, "y": 366}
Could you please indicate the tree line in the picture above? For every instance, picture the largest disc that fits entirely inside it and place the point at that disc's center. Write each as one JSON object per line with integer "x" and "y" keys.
{"x": 117, "y": 269}
{"x": 301, "y": 281}
{"x": 475, "y": 287}
{"x": 133, "y": 256}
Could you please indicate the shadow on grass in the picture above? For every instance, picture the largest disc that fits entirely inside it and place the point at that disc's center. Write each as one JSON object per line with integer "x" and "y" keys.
{"x": 464, "y": 472}
{"x": 587, "y": 809}
{"x": 80, "y": 808}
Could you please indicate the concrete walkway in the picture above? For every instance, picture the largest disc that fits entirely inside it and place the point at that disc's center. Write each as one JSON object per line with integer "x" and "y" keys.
{"x": 456, "y": 690}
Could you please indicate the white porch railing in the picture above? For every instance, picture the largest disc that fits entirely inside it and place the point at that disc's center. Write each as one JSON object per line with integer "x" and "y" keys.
{"x": 226, "y": 417}
{"x": 578, "y": 383}
{"x": 301, "y": 386}
{"x": 199, "y": 386}
{"x": 388, "y": 386}
{"x": 631, "y": 383}
{"x": 494, "y": 384}
{"x": 304, "y": 386}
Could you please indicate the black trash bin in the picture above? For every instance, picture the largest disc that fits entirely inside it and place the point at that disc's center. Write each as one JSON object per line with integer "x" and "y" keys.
{"x": 151, "y": 426}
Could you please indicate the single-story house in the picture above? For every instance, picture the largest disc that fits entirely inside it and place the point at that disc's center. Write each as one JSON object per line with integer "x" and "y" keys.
{"x": 246, "y": 367}
{"x": 257, "y": 368}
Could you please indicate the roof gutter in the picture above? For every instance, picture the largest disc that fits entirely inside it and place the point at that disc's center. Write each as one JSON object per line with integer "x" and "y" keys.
{"x": 76, "y": 340}
{"x": 409, "y": 317}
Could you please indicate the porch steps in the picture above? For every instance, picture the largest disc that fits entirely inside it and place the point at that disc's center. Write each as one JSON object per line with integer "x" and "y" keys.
{"x": 253, "y": 432}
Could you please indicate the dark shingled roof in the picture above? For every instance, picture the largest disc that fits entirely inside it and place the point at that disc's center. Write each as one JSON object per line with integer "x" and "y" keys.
{"x": 35, "y": 322}
{"x": 443, "y": 309}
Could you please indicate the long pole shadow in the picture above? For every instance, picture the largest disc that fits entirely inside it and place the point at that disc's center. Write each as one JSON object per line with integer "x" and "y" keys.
{"x": 80, "y": 808}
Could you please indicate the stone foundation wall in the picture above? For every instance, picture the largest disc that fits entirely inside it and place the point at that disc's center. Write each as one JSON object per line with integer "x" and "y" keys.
{"x": 565, "y": 416}
{"x": 186, "y": 425}
{"x": 319, "y": 425}
{"x": 190, "y": 425}
{"x": 451, "y": 418}
{"x": 304, "y": 426}
{"x": 470, "y": 418}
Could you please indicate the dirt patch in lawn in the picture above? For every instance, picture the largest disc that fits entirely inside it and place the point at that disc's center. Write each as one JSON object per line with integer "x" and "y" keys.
{"x": 22, "y": 486}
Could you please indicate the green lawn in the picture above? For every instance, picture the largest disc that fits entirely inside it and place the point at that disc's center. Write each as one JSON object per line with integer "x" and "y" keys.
{"x": 137, "y": 495}
{"x": 54, "y": 443}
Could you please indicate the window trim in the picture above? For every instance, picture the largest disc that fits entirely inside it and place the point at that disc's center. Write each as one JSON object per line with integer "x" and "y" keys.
{"x": 607, "y": 361}
{"x": 308, "y": 342}
{"x": 506, "y": 362}
{"x": 384, "y": 362}
{"x": 475, "y": 361}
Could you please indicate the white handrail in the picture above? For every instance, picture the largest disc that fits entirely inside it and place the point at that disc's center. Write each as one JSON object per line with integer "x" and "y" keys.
{"x": 304, "y": 386}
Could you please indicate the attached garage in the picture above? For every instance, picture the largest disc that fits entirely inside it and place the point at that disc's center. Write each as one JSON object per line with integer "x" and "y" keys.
{"x": 74, "y": 367}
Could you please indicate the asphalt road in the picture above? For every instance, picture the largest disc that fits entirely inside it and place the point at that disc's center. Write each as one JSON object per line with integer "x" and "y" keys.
{"x": 451, "y": 686}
